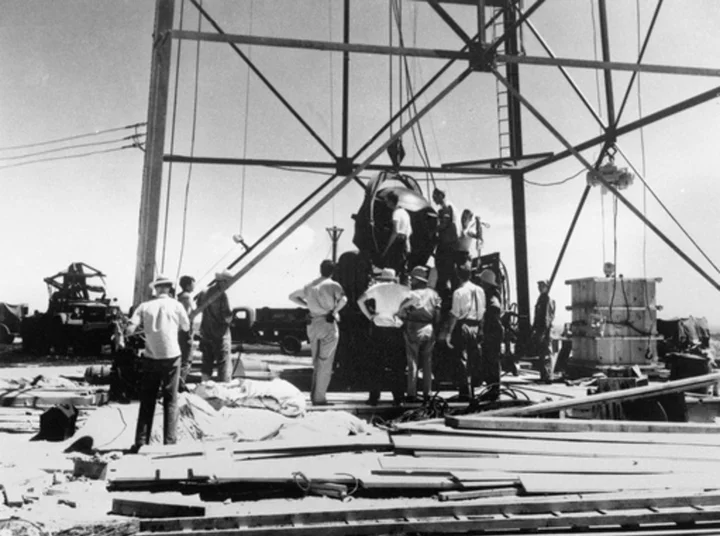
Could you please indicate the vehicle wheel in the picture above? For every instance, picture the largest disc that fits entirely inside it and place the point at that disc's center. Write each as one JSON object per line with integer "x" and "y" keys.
{"x": 290, "y": 345}
{"x": 5, "y": 336}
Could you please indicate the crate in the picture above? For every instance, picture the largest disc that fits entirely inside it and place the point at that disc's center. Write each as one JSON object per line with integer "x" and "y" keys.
{"x": 615, "y": 322}
{"x": 621, "y": 351}
{"x": 613, "y": 292}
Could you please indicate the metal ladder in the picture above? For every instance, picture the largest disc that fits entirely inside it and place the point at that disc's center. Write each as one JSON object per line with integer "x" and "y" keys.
{"x": 501, "y": 93}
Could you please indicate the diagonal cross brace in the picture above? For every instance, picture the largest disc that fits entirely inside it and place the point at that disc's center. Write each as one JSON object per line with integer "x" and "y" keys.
{"x": 322, "y": 202}
{"x": 605, "y": 183}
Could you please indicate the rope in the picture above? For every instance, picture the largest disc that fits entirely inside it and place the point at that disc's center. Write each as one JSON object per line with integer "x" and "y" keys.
{"x": 332, "y": 92}
{"x": 192, "y": 151}
{"x": 416, "y": 130}
{"x": 390, "y": 64}
{"x": 172, "y": 141}
{"x": 70, "y": 138}
{"x": 642, "y": 141}
{"x": 558, "y": 183}
{"x": 246, "y": 126}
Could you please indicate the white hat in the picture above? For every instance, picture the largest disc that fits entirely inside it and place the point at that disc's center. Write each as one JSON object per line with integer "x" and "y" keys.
{"x": 387, "y": 274}
{"x": 225, "y": 275}
{"x": 161, "y": 280}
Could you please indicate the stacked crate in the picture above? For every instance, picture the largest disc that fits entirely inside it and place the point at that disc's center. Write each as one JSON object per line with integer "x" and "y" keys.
{"x": 614, "y": 321}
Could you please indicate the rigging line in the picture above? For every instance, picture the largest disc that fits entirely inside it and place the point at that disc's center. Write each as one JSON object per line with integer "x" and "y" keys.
{"x": 68, "y": 157}
{"x": 557, "y": 183}
{"x": 246, "y": 126}
{"x": 422, "y": 148}
{"x": 641, "y": 50}
{"x": 667, "y": 210}
{"x": 615, "y": 220}
{"x": 332, "y": 91}
{"x": 600, "y": 116}
{"x": 310, "y": 171}
{"x": 70, "y": 138}
{"x": 398, "y": 17}
{"x": 172, "y": 142}
{"x": 390, "y": 63}
{"x": 193, "y": 130}
{"x": 71, "y": 147}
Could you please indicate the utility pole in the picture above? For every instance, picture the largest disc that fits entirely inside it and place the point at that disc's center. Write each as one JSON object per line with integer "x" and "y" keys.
{"x": 155, "y": 146}
{"x": 334, "y": 233}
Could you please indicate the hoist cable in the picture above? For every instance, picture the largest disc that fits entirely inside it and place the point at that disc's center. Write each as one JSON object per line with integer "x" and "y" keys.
{"x": 246, "y": 126}
{"x": 390, "y": 64}
{"x": 416, "y": 129}
{"x": 332, "y": 92}
{"x": 193, "y": 131}
{"x": 172, "y": 141}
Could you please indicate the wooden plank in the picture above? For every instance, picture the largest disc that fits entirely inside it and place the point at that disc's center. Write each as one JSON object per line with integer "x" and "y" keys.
{"x": 472, "y": 523}
{"x": 378, "y": 513}
{"x": 623, "y": 395}
{"x": 548, "y": 464}
{"x": 605, "y": 437}
{"x": 477, "y": 494}
{"x": 412, "y": 442}
{"x": 155, "y": 508}
{"x": 483, "y": 422}
{"x": 564, "y": 484}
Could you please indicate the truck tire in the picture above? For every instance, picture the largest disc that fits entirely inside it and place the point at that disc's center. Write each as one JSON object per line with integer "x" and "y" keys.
{"x": 290, "y": 345}
{"x": 5, "y": 336}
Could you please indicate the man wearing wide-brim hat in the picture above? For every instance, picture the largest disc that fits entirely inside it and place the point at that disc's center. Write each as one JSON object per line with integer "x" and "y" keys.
{"x": 540, "y": 335}
{"x": 160, "y": 320}
{"x": 421, "y": 313}
{"x": 385, "y": 361}
{"x": 215, "y": 339}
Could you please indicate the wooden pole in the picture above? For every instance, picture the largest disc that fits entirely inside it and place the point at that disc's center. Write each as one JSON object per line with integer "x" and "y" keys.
{"x": 624, "y": 395}
{"x": 153, "y": 165}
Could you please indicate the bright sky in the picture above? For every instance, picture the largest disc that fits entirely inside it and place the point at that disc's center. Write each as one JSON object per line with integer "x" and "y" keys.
{"x": 75, "y": 67}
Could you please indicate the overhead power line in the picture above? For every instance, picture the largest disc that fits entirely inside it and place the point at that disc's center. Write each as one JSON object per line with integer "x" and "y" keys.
{"x": 66, "y": 157}
{"x": 135, "y": 137}
{"x": 70, "y": 138}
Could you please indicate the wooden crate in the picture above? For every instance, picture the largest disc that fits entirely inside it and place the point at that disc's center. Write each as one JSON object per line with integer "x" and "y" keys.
{"x": 616, "y": 292}
{"x": 622, "y": 351}
{"x": 615, "y": 322}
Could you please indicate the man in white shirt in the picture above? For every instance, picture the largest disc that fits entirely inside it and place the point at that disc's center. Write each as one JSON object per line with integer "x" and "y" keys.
{"x": 397, "y": 249}
{"x": 380, "y": 304}
{"x": 159, "y": 320}
{"x": 324, "y": 298}
{"x": 464, "y": 332}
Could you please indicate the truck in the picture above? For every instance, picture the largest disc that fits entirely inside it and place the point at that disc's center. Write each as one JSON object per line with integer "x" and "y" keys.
{"x": 11, "y": 317}
{"x": 266, "y": 325}
{"x": 79, "y": 316}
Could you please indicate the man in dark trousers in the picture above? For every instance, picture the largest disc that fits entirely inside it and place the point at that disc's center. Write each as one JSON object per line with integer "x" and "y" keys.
{"x": 385, "y": 361}
{"x": 493, "y": 334}
{"x": 215, "y": 340}
{"x": 159, "y": 320}
{"x": 187, "y": 286}
{"x": 445, "y": 253}
{"x": 464, "y": 333}
{"x": 541, "y": 328}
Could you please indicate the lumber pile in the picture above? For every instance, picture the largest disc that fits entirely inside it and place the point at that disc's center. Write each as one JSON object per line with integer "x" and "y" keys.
{"x": 494, "y": 472}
